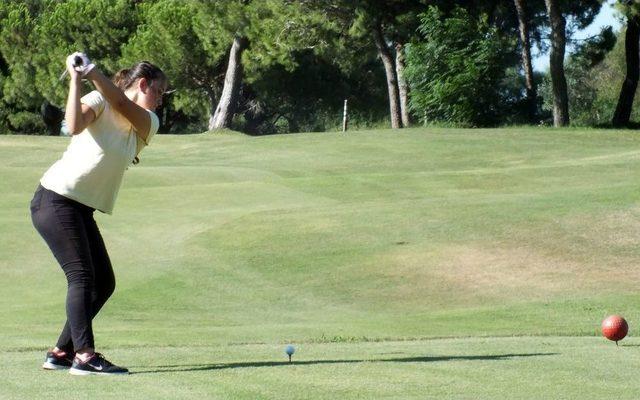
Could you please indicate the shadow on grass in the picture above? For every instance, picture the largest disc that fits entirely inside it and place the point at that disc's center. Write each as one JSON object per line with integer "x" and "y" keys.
{"x": 205, "y": 367}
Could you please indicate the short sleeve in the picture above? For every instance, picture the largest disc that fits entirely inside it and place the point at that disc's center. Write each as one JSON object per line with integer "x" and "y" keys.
{"x": 153, "y": 128}
{"x": 95, "y": 100}
{"x": 155, "y": 125}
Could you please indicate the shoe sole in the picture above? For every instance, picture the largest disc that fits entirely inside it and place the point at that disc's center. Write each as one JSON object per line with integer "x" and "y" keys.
{"x": 53, "y": 367}
{"x": 79, "y": 372}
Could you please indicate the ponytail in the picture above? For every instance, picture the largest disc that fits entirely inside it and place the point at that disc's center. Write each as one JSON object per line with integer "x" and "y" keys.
{"x": 121, "y": 78}
{"x": 144, "y": 69}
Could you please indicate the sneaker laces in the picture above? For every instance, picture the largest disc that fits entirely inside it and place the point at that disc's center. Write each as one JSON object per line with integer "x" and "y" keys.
{"x": 104, "y": 361}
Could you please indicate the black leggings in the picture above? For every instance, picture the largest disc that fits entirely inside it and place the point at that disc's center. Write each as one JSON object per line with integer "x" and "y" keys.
{"x": 71, "y": 232}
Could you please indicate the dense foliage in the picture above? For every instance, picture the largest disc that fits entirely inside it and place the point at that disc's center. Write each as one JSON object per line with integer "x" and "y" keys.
{"x": 455, "y": 69}
{"x": 303, "y": 58}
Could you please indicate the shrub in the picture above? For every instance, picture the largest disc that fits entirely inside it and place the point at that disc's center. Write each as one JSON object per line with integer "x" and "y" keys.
{"x": 27, "y": 123}
{"x": 456, "y": 68}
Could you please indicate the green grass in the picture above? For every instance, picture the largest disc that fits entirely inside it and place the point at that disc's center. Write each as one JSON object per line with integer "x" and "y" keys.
{"x": 514, "y": 368}
{"x": 403, "y": 264}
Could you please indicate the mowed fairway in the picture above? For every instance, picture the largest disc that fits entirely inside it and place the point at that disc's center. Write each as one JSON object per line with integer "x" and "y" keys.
{"x": 423, "y": 263}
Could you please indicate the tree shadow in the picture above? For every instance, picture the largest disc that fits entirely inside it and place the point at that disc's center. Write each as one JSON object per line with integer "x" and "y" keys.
{"x": 154, "y": 369}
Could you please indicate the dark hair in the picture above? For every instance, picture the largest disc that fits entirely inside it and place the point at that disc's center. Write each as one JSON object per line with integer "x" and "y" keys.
{"x": 144, "y": 69}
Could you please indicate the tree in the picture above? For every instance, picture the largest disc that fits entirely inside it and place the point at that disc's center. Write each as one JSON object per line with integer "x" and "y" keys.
{"x": 583, "y": 12}
{"x": 310, "y": 96}
{"x": 20, "y": 99}
{"x": 622, "y": 113}
{"x": 526, "y": 21}
{"x": 18, "y": 21}
{"x": 390, "y": 72}
{"x": 234, "y": 19}
{"x": 589, "y": 72}
{"x": 212, "y": 47}
{"x": 324, "y": 65}
{"x": 230, "y": 91}
{"x": 556, "y": 64}
{"x": 388, "y": 25}
{"x": 55, "y": 29}
{"x": 530, "y": 85}
{"x": 63, "y": 29}
{"x": 192, "y": 52}
{"x": 393, "y": 24}
{"x": 403, "y": 87}
{"x": 455, "y": 69}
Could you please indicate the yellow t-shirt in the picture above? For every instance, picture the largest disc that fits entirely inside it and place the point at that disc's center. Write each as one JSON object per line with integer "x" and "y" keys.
{"x": 91, "y": 169}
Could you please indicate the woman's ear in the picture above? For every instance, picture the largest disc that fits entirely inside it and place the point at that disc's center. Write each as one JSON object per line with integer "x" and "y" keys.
{"x": 143, "y": 85}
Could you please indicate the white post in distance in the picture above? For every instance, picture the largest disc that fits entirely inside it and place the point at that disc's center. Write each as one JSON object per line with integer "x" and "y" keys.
{"x": 345, "y": 117}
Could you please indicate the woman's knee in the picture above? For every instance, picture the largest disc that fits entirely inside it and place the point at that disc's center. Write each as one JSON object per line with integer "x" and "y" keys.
{"x": 78, "y": 274}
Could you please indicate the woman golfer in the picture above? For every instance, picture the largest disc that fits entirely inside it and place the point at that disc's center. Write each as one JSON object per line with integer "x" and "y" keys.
{"x": 109, "y": 126}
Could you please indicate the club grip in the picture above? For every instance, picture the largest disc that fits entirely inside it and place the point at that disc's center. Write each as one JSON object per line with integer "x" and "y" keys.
{"x": 77, "y": 61}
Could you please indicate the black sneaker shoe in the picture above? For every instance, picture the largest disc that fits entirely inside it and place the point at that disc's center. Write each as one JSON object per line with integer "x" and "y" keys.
{"x": 96, "y": 365}
{"x": 58, "y": 360}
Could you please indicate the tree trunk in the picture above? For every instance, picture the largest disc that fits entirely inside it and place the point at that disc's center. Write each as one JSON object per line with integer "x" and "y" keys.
{"x": 527, "y": 66}
{"x": 213, "y": 102}
{"x": 228, "y": 99}
{"x": 556, "y": 63}
{"x": 627, "y": 93}
{"x": 403, "y": 88}
{"x": 392, "y": 79}
{"x": 4, "y": 67}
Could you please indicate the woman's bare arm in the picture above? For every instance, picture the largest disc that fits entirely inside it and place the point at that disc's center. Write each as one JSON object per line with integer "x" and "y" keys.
{"x": 138, "y": 116}
{"x": 77, "y": 115}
